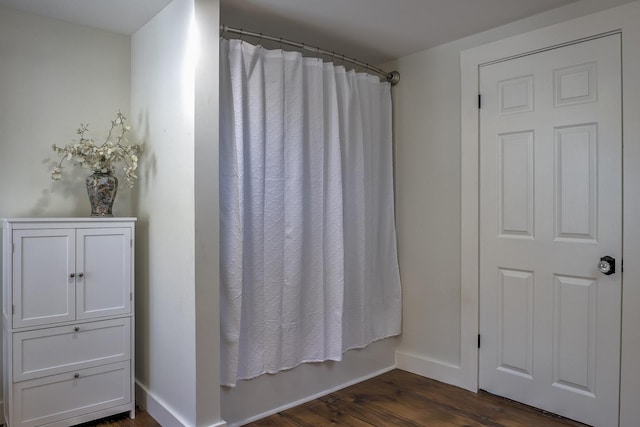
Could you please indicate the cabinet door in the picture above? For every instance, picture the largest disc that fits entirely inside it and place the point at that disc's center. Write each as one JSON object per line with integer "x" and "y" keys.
{"x": 43, "y": 282}
{"x": 104, "y": 274}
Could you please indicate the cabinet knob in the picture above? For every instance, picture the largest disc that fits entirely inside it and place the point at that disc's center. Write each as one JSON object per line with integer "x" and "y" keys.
{"x": 80, "y": 274}
{"x": 76, "y": 329}
{"x": 76, "y": 375}
{"x": 72, "y": 275}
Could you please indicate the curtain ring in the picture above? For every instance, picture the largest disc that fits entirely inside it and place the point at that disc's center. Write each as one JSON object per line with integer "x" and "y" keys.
{"x": 280, "y": 43}
{"x": 241, "y": 34}
{"x": 260, "y": 39}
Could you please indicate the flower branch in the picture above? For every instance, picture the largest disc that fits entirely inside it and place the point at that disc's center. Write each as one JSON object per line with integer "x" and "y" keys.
{"x": 101, "y": 158}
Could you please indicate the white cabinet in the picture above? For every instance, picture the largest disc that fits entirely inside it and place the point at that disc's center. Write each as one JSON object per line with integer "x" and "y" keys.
{"x": 67, "y": 320}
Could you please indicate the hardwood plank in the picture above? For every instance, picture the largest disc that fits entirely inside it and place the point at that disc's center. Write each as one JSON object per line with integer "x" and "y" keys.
{"x": 501, "y": 411}
{"x": 402, "y": 406}
{"x": 366, "y": 412}
{"x": 324, "y": 411}
{"x": 142, "y": 419}
{"x": 399, "y": 398}
{"x": 280, "y": 420}
{"x": 483, "y": 407}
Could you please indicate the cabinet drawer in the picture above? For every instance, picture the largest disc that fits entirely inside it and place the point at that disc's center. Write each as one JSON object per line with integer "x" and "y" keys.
{"x": 55, "y": 350}
{"x": 58, "y": 397}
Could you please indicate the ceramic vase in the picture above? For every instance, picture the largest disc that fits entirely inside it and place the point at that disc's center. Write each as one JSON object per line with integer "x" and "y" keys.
{"x": 102, "y": 188}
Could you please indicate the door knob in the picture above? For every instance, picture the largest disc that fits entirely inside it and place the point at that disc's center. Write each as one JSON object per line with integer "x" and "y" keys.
{"x": 607, "y": 265}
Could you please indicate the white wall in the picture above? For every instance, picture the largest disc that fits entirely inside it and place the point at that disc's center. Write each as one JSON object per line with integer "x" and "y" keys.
{"x": 162, "y": 91}
{"x": 427, "y": 119}
{"x": 54, "y": 75}
{"x": 174, "y": 102}
{"x": 207, "y": 240}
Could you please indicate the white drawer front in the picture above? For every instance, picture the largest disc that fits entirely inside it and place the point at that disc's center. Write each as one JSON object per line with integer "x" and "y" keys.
{"x": 55, "y": 350}
{"x": 58, "y": 397}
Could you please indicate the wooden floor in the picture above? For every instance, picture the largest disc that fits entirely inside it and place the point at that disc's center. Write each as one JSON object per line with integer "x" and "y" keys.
{"x": 397, "y": 398}
{"x": 142, "y": 419}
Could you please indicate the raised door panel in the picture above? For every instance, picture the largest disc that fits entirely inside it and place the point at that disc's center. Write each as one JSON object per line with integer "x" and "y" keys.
{"x": 52, "y": 351}
{"x": 574, "y": 333}
{"x": 576, "y": 192}
{"x": 59, "y": 397}
{"x": 515, "y": 322}
{"x": 104, "y": 258}
{"x": 43, "y": 284}
{"x": 516, "y": 184}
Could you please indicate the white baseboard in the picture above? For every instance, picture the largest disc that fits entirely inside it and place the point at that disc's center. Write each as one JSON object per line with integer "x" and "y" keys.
{"x": 312, "y": 397}
{"x": 160, "y": 411}
{"x": 434, "y": 369}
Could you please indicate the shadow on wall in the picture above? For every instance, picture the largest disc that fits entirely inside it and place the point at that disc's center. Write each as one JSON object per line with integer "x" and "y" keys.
{"x": 148, "y": 163}
{"x": 142, "y": 298}
{"x": 72, "y": 184}
{"x": 146, "y": 172}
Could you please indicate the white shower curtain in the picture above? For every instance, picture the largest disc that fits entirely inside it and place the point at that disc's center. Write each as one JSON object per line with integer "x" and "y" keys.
{"x": 308, "y": 243}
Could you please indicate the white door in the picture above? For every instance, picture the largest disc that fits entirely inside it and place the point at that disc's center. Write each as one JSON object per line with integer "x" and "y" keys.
{"x": 43, "y": 277}
{"x": 103, "y": 259}
{"x": 551, "y": 207}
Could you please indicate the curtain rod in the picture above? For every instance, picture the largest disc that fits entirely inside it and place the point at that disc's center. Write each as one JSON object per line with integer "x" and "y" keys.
{"x": 392, "y": 77}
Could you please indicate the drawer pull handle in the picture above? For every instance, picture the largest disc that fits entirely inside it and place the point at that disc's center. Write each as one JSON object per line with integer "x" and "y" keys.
{"x": 76, "y": 375}
{"x": 72, "y": 275}
{"x": 81, "y": 275}
{"x": 76, "y": 329}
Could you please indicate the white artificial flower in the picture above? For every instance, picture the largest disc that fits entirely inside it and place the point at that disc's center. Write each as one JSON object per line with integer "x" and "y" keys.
{"x": 104, "y": 157}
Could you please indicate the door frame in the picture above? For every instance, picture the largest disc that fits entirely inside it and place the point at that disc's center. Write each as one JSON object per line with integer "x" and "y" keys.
{"x": 623, "y": 20}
